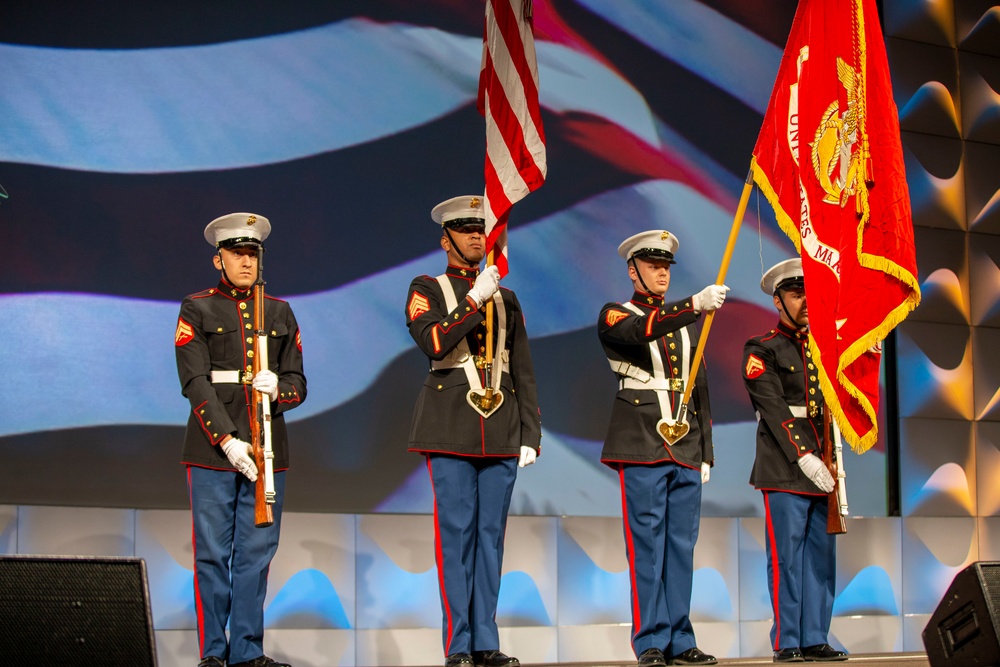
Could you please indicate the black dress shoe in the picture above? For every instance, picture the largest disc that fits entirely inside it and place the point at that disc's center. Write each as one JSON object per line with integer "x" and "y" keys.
{"x": 262, "y": 661}
{"x": 212, "y": 661}
{"x": 822, "y": 653}
{"x": 693, "y": 656}
{"x": 652, "y": 657}
{"x": 458, "y": 660}
{"x": 494, "y": 659}
{"x": 788, "y": 655}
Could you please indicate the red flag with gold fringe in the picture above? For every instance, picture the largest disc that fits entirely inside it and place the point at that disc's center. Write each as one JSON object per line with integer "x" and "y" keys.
{"x": 508, "y": 99}
{"x": 830, "y": 161}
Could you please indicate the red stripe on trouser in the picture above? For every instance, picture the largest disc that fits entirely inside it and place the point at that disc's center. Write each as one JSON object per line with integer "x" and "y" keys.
{"x": 197, "y": 591}
{"x": 439, "y": 559}
{"x": 630, "y": 548}
{"x": 775, "y": 571}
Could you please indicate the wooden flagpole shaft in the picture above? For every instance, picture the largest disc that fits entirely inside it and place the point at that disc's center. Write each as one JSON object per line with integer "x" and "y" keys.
{"x": 489, "y": 332}
{"x": 723, "y": 268}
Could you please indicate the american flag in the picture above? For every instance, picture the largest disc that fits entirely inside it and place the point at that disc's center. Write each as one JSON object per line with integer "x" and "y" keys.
{"x": 508, "y": 99}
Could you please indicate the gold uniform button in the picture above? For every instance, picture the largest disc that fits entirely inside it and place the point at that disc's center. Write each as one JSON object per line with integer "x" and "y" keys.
{"x": 444, "y": 324}
{"x": 201, "y": 412}
{"x": 208, "y": 423}
{"x": 246, "y": 316}
{"x": 675, "y": 309}
{"x": 440, "y": 387}
{"x": 796, "y": 437}
{"x": 810, "y": 367}
{"x": 219, "y": 330}
{"x": 249, "y": 368}
{"x": 791, "y": 368}
{"x": 249, "y": 341}
{"x": 637, "y": 401}
{"x": 456, "y": 316}
{"x": 673, "y": 357}
{"x": 248, "y": 325}
{"x": 809, "y": 354}
{"x": 812, "y": 377}
{"x": 675, "y": 371}
{"x": 812, "y": 390}
{"x": 802, "y": 448}
{"x": 243, "y": 305}
{"x": 791, "y": 426}
{"x": 468, "y": 310}
{"x": 670, "y": 335}
{"x": 663, "y": 312}
{"x": 250, "y": 354}
{"x": 812, "y": 402}
{"x": 273, "y": 332}
{"x": 215, "y": 435}
{"x": 673, "y": 346}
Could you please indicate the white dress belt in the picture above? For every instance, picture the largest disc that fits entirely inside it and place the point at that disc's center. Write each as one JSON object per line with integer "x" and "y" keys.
{"x": 229, "y": 377}
{"x": 798, "y": 411}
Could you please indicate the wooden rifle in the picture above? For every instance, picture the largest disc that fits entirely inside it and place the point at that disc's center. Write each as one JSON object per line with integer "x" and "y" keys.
{"x": 836, "y": 503}
{"x": 260, "y": 413}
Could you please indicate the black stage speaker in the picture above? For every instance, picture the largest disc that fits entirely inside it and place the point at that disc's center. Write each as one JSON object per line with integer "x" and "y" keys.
{"x": 962, "y": 631}
{"x": 73, "y": 611}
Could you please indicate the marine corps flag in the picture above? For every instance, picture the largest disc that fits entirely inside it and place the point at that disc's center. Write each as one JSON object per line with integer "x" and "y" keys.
{"x": 508, "y": 99}
{"x": 830, "y": 162}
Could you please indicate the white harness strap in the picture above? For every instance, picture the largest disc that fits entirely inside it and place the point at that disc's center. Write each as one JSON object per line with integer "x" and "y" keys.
{"x": 461, "y": 356}
{"x": 659, "y": 382}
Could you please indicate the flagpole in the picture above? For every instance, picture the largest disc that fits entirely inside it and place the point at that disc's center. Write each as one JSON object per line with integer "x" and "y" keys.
{"x": 489, "y": 337}
{"x": 723, "y": 269}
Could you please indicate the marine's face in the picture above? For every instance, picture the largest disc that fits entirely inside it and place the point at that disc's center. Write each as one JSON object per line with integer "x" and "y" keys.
{"x": 654, "y": 272}
{"x": 795, "y": 303}
{"x": 240, "y": 265}
{"x": 470, "y": 241}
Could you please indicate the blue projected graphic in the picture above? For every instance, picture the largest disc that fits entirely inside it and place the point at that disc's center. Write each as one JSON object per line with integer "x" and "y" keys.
{"x": 345, "y": 127}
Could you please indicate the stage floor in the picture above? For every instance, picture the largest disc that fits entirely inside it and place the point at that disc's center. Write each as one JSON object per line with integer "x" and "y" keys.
{"x": 854, "y": 660}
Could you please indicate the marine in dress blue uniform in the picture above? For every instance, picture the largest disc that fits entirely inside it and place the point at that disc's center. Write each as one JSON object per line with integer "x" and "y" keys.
{"x": 649, "y": 342}
{"x": 472, "y": 446}
{"x": 213, "y": 343}
{"x": 783, "y": 384}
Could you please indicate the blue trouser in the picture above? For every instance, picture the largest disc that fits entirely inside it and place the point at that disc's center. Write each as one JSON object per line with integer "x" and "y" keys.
{"x": 471, "y": 500}
{"x": 802, "y": 585}
{"x": 231, "y": 561}
{"x": 661, "y": 507}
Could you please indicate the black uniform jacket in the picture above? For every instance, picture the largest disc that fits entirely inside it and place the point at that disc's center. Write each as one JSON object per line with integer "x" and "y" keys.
{"x": 778, "y": 373}
{"x": 632, "y": 436}
{"x": 443, "y": 420}
{"x": 215, "y": 332}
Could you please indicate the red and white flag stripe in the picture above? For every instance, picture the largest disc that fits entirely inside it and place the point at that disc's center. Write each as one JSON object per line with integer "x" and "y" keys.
{"x": 508, "y": 99}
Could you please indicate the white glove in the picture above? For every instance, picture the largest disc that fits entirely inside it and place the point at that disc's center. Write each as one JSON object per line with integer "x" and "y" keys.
{"x": 710, "y": 298}
{"x": 266, "y": 382}
{"x": 706, "y": 472}
{"x": 487, "y": 283}
{"x": 238, "y": 453}
{"x": 527, "y": 457}
{"x": 816, "y": 470}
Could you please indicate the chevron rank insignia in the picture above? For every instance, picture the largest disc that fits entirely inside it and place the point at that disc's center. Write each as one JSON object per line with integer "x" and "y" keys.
{"x": 754, "y": 367}
{"x": 298, "y": 339}
{"x": 613, "y": 317}
{"x": 184, "y": 333}
{"x": 418, "y": 306}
